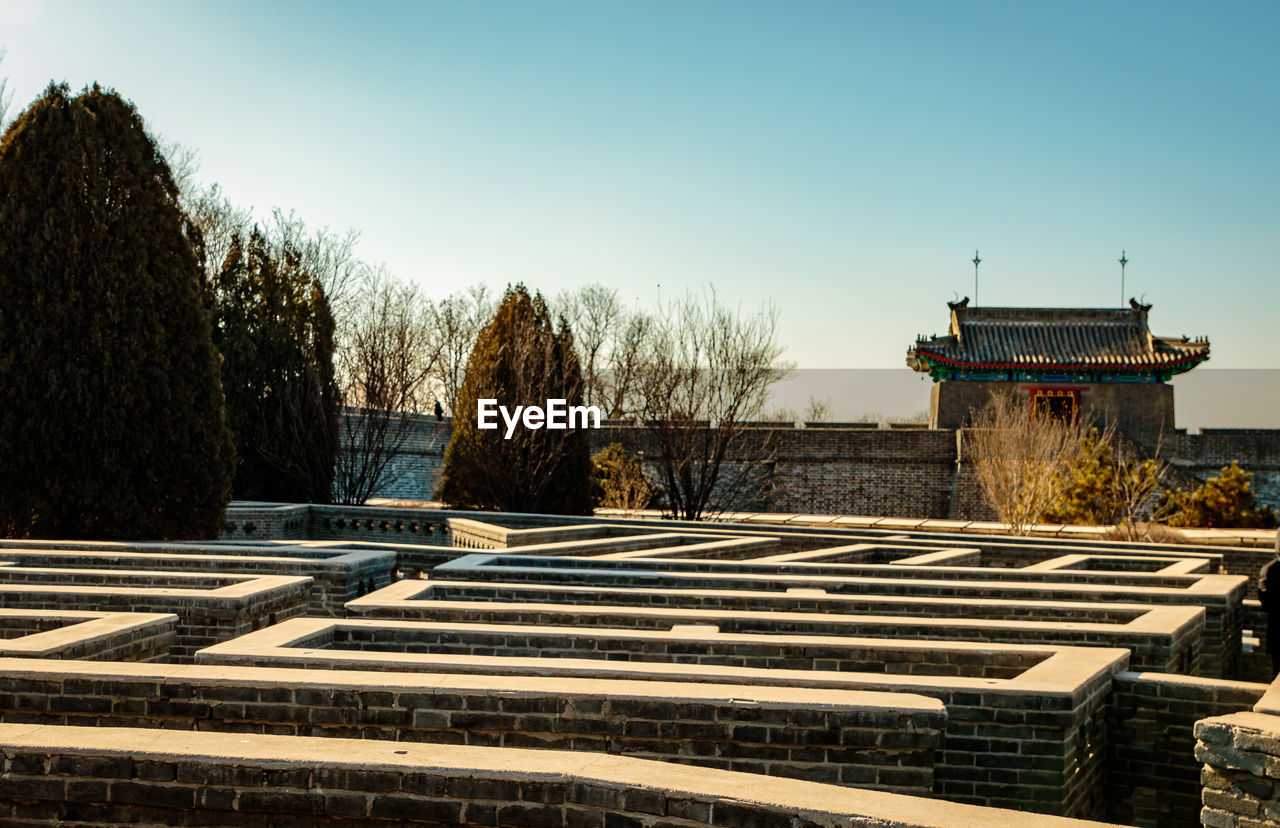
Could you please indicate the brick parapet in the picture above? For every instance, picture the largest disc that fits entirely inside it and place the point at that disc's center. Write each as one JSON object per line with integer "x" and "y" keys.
{"x": 124, "y": 776}
{"x": 846, "y": 470}
{"x": 880, "y": 740}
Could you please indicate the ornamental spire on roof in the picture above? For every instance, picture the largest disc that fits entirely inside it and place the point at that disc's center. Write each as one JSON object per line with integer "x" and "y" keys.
{"x": 1124, "y": 260}
{"x": 976, "y": 262}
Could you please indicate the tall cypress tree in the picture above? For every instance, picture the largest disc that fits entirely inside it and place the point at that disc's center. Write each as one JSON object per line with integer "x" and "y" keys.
{"x": 520, "y": 358}
{"x": 275, "y": 332}
{"x": 112, "y": 422}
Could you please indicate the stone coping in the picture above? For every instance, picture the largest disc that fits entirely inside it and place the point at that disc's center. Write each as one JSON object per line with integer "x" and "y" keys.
{"x": 1215, "y": 537}
{"x": 338, "y": 566}
{"x": 728, "y": 547}
{"x": 903, "y": 555}
{"x": 1263, "y": 727}
{"x": 509, "y": 537}
{"x": 823, "y": 804}
{"x": 752, "y": 568}
{"x": 233, "y": 585}
{"x": 80, "y": 628}
{"x": 1146, "y": 618}
{"x": 607, "y": 541}
{"x": 836, "y": 530}
{"x": 295, "y": 678}
{"x": 414, "y": 590}
{"x": 1175, "y": 679}
{"x": 1053, "y": 669}
{"x": 662, "y": 571}
{"x": 290, "y": 552}
{"x": 1269, "y": 704}
{"x": 593, "y": 547}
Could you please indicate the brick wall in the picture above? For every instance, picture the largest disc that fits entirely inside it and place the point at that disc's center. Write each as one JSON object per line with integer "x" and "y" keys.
{"x": 94, "y": 636}
{"x": 205, "y": 617}
{"x": 416, "y": 646}
{"x": 865, "y": 739}
{"x": 1220, "y": 595}
{"x": 1151, "y": 770}
{"x": 1256, "y": 449}
{"x": 861, "y": 471}
{"x": 1171, "y": 648}
{"x": 57, "y": 776}
{"x": 338, "y": 575}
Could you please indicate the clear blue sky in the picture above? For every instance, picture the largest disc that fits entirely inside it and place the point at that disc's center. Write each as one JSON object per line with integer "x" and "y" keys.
{"x": 842, "y": 159}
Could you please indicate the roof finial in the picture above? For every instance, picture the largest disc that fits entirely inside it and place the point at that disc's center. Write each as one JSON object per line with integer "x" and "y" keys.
{"x": 976, "y": 262}
{"x": 1124, "y": 260}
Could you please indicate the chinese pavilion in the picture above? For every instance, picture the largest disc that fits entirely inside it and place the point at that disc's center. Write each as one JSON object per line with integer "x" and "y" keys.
{"x": 1066, "y": 360}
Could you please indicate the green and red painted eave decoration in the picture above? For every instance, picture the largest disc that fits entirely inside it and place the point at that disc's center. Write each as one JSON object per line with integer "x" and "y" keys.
{"x": 942, "y": 368}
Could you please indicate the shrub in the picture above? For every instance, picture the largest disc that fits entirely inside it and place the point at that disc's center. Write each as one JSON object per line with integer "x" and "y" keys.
{"x": 1102, "y": 487}
{"x": 1224, "y": 501}
{"x": 618, "y": 481}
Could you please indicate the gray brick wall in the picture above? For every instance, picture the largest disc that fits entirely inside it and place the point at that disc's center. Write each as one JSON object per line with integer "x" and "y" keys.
{"x": 891, "y": 472}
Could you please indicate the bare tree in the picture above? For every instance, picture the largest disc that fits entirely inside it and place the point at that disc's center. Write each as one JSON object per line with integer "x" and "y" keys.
{"x": 385, "y": 361}
{"x": 329, "y": 256}
{"x": 609, "y": 340}
{"x": 594, "y": 313}
{"x": 215, "y": 220}
{"x": 1135, "y": 484}
{"x": 214, "y": 223}
{"x": 457, "y": 321}
{"x": 6, "y": 97}
{"x": 1023, "y": 459}
{"x": 704, "y": 376}
{"x": 184, "y": 163}
{"x": 815, "y": 411}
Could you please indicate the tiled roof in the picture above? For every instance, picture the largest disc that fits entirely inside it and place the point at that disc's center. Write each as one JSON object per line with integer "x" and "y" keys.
{"x": 1093, "y": 339}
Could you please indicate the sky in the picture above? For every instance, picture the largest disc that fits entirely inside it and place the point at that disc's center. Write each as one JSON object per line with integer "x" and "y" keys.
{"x": 840, "y": 160}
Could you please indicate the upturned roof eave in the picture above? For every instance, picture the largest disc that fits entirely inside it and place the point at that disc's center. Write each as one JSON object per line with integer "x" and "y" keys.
{"x": 921, "y": 359}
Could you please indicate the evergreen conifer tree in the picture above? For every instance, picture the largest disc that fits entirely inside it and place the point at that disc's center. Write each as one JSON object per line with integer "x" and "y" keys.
{"x": 112, "y": 422}
{"x": 1227, "y": 500}
{"x": 520, "y": 358}
{"x": 275, "y": 332}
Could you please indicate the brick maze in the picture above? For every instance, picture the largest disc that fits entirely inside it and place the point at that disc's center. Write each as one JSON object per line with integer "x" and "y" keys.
{"x": 353, "y": 665}
{"x": 338, "y": 573}
{"x": 209, "y": 608}
{"x": 98, "y": 636}
{"x": 1162, "y": 638}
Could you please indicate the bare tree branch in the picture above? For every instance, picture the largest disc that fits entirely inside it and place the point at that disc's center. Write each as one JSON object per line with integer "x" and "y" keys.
{"x": 1023, "y": 459}
{"x": 385, "y": 361}
{"x": 704, "y": 376}
{"x": 457, "y": 321}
